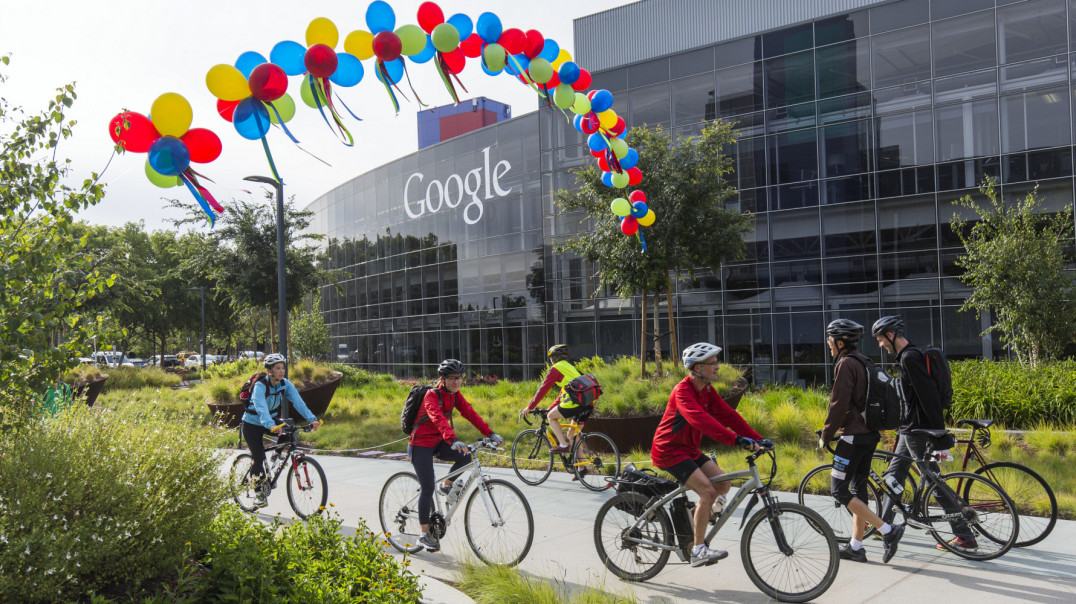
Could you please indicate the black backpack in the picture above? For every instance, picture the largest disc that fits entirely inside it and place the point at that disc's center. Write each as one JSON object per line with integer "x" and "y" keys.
{"x": 882, "y": 410}
{"x": 412, "y": 405}
{"x": 247, "y": 390}
{"x": 938, "y": 370}
{"x": 583, "y": 390}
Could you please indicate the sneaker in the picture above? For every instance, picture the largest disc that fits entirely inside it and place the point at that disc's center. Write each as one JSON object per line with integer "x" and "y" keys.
{"x": 855, "y": 555}
{"x": 559, "y": 449}
{"x": 580, "y": 473}
{"x": 891, "y": 541}
{"x": 260, "y": 501}
{"x": 704, "y": 556}
{"x": 429, "y": 542}
{"x": 957, "y": 543}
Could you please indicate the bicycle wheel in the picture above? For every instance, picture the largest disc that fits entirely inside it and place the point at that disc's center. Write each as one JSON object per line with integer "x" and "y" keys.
{"x": 880, "y": 463}
{"x": 307, "y": 488}
{"x": 594, "y": 457}
{"x": 1033, "y": 497}
{"x": 802, "y": 572}
{"x": 531, "y": 458}
{"x": 815, "y": 493}
{"x": 398, "y": 510}
{"x": 244, "y": 486}
{"x": 981, "y": 506}
{"x": 500, "y": 528}
{"x": 616, "y": 542}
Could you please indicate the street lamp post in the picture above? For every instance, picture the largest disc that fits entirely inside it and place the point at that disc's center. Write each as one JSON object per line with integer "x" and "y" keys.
{"x": 201, "y": 290}
{"x": 282, "y": 307}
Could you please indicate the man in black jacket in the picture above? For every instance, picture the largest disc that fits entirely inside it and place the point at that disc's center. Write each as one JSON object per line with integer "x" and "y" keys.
{"x": 921, "y": 409}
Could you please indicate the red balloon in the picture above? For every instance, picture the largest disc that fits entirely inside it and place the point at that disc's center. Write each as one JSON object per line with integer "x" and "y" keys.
{"x": 535, "y": 41}
{"x": 268, "y": 82}
{"x": 590, "y": 95}
{"x": 583, "y": 82}
{"x": 429, "y": 16}
{"x": 513, "y": 40}
{"x": 226, "y": 108}
{"x": 387, "y": 46}
{"x": 603, "y": 163}
{"x": 629, "y": 225}
{"x": 598, "y": 154}
{"x": 203, "y": 144}
{"x": 133, "y": 131}
{"x": 472, "y": 46}
{"x": 454, "y": 61}
{"x": 588, "y": 126}
{"x": 320, "y": 61}
{"x": 552, "y": 83}
{"x": 635, "y": 176}
{"x": 619, "y": 127}
{"x": 637, "y": 196}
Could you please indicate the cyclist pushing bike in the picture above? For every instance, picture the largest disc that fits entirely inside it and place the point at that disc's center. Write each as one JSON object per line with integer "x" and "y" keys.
{"x": 695, "y": 409}
{"x": 560, "y": 373}
{"x": 263, "y": 414}
{"x": 433, "y": 435}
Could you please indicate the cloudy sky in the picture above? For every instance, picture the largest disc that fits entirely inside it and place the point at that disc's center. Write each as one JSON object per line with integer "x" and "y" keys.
{"x": 123, "y": 54}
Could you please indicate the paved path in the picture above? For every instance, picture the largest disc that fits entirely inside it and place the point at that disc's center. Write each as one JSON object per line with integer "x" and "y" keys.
{"x": 563, "y": 551}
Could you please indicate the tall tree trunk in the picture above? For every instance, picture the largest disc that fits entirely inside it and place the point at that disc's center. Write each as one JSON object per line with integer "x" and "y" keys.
{"x": 272, "y": 333}
{"x": 657, "y": 334}
{"x": 642, "y": 337}
{"x": 674, "y": 348}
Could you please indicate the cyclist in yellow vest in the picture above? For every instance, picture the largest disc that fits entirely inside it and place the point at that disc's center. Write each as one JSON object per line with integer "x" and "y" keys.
{"x": 560, "y": 373}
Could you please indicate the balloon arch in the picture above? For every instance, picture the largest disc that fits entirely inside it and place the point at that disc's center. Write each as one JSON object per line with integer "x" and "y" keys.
{"x": 252, "y": 94}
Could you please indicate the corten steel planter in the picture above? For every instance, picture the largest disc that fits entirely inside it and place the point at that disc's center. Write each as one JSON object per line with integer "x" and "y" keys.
{"x": 91, "y": 390}
{"x": 229, "y": 415}
{"x": 317, "y": 399}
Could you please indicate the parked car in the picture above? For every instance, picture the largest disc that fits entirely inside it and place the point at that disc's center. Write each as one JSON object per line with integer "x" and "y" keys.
{"x": 251, "y": 354}
{"x": 133, "y": 362}
{"x": 195, "y": 360}
{"x": 170, "y": 360}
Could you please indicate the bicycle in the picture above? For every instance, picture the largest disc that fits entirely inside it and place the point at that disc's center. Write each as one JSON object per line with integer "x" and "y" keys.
{"x": 986, "y": 510}
{"x": 788, "y": 550}
{"x": 593, "y": 455}
{"x": 494, "y": 529}
{"x": 307, "y": 488}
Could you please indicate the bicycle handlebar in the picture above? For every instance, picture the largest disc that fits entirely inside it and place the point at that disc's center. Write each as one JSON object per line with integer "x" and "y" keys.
{"x": 537, "y": 411}
{"x": 829, "y": 447}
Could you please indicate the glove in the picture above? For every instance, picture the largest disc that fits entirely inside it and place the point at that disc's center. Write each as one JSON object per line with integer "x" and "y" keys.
{"x": 523, "y": 412}
{"x": 766, "y": 443}
{"x": 460, "y": 446}
{"x": 744, "y": 443}
{"x": 821, "y": 443}
{"x": 496, "y": 438}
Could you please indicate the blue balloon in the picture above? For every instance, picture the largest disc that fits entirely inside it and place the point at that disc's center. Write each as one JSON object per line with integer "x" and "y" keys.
{"x": 550, "y": 51}
{"x": 489, "y": 27}
{"x": 607, "y": 179}
{"x": 169, "y": 156}
{"x": 248, "y": 61}
{"x": 380, "y": 17}
{"x": 639, "y": 209}
{"x": 630, "y": 160}
{"x": 601, "y": 101}
{"x": 577, "y": 123}
{"x": 425, "y": 54}
{"x": 288, "y": 55}
{"x": 462, "y": 23}
{"x": 349, "y": 70}
{"x": 596, "y": 142}
{"x": 524, "y": 63}
{"x": 251, "y": 119}
{"x": 568, "y": 73}
{"x": 394, "y": 69}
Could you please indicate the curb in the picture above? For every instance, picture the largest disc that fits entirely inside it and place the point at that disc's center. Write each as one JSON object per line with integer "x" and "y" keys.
{"x": 439, "y": 592}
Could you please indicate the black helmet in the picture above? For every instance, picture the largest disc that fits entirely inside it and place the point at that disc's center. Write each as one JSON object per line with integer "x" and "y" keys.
{"x": 449, "y": 366}
{"x": 558, "y": 350}
{"x": 845, "y": 329}
{"x": 891, "y": 323}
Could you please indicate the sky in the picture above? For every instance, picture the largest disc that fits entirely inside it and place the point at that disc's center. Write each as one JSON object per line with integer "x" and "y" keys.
{"x": 123, "y": 54}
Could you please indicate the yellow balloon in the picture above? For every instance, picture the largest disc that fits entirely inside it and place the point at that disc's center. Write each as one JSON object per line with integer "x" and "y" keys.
{"x": 171, "y": 114}
{"x": 227, "y": 83}
{"x": 360, "y": 43}
{"x": 607, "y": 119}
{"x": 561, "y": 59}
{"x": 649, "y": 218}
{"x": 322, "y": 31}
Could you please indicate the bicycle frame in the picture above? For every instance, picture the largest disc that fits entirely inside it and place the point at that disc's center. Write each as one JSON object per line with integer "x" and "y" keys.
{"x": 449, "y": 509}
{"x": 920, "y": 488}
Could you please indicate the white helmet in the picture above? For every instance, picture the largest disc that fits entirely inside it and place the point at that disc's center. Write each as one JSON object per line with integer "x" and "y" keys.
{"x": 273, "y": 359}
{"x": 699, "y": 352}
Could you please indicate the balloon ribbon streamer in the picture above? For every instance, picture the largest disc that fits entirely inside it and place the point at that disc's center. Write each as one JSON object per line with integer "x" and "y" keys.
{"x": 322, "y": 98}
{"x": 201, "y": 200}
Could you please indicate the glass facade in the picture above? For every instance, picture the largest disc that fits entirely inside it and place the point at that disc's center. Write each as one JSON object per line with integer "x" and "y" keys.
{"x": 857, "y": 133}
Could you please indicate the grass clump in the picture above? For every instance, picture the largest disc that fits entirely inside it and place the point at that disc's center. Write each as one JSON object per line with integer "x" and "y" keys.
{"x": 500, "y": 585}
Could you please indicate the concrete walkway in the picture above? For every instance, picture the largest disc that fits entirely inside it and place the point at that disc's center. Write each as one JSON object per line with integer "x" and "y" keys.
{"x": 563, "y": 552}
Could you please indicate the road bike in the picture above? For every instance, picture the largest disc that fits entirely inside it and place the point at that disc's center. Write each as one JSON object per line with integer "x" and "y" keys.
{"x": 788, "y": 550}
{"x": 592, "y": 458}
{"x": 944, "y": 505}
{"x": 497, "y": 518}
{"x": 307, "y": 488}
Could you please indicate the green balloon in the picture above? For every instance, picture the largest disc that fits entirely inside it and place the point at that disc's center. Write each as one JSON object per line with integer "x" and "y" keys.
{"x": 563, "y": 96}
{"x": 446, "y": 38}
{"x": 620, "y": 180}
{"x": 540, "y": 70}
{"x": 495, "y": 56}
{"x": 307, "y": 94}
{"x": 581, "y": 104}
{"x": 620, "y": 149}
{"x": 412, "y": 39}
{"x": 620, "y": 206}
{"x": 162, "y": 181}
{"x": 285, "y": 105}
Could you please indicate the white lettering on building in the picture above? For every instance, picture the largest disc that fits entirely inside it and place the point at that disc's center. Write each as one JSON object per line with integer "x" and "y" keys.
{"x": 455, "y": 189}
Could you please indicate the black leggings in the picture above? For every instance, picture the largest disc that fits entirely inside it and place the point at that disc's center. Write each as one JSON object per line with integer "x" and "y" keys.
{"x": 422, "y": 460}
{"x": 253, "y": 435}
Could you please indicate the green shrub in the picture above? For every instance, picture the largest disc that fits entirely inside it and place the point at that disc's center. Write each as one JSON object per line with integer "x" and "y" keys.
{"x": 1013, "y": 394}
{"x": 353, "y": 376}
{"x": 590, "y": 364}
{"x": 94, "y": 500}
{"x": 499, "y": 585}
{"x": 241, "y": 367}
{"x": 125, "y": 378}
{"x": 222, "y": 392}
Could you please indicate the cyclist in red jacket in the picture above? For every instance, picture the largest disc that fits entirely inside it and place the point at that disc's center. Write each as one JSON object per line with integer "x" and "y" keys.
{"x": 560, "y": 373}
{"x": 695, "y": 409}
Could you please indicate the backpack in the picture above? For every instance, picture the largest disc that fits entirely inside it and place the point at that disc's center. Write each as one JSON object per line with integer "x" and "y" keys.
{"x": 882, "y": 410}
{"x": 247, "y": 390}
{"x": 411, "y": 407}
{"x": 583, "y": 390}
{"x": 938, "y": 370}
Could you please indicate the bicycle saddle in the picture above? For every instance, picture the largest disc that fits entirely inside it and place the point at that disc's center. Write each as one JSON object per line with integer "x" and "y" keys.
{"x": 980, "y": 424}
{"x": 930, "y": 433}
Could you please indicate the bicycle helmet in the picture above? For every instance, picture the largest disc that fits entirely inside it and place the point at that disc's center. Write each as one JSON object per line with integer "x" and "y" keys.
{"x": 699, "y": 352}
{"x": 890, "y": 323}
{"x": 845, "y": 329}
{"x": 557, "y": 350}
{"x": 273, "y": 359}
{"x": 449, "y": 366}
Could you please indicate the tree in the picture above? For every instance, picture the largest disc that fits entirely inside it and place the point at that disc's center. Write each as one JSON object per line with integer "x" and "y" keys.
{"x": 309, "y": 333}
{"x": 685, "y": 180}
{"x": 45, "y": 274}
{"x": 1014, "y": 261}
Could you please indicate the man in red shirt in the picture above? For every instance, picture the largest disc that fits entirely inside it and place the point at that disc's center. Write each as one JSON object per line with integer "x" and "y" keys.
{"x": 694, "y": 409}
